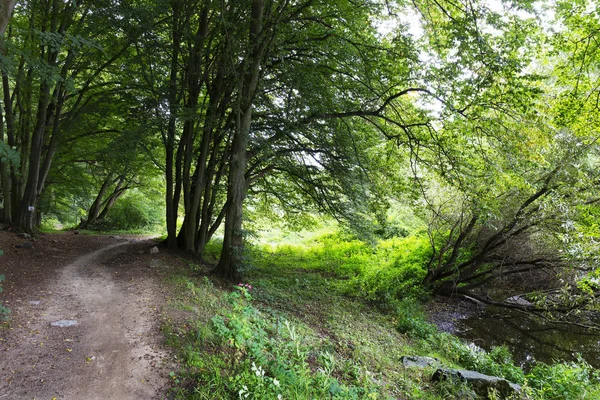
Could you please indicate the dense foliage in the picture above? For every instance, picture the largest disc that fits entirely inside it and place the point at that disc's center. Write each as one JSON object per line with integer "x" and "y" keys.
{"x": 293, "y": 330}
{"x": 454, "y": 142}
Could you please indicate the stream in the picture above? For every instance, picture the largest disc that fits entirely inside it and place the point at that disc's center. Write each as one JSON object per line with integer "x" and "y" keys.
{"x": 529, "y": 339}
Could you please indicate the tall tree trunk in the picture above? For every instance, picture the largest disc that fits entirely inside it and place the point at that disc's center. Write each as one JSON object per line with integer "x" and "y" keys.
{"x": 195, "y": 83}
{"x": 6, "y": 9}
{"x": 5, "y": 182}
{"x": 231, "y": 261}
{"x": 26, "y": 212}
{"x": 211, "y": 188}
{"x": 172, "y": 189}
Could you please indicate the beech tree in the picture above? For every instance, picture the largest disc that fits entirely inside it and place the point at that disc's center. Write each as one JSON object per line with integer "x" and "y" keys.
{"x": 255, "y": 88}
{"x": 54, "y": 68}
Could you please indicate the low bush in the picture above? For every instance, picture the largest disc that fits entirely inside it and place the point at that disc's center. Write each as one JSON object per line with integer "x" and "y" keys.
{"x": 258, "y": 356}
{"x": 567, "y": 381}
{"x": 50, "y": 222}
{"x": 411, "y": 318}
{"x": 382, "y": 273}
{"x": 133, "y": 212}
{"x": 496, "y": 362}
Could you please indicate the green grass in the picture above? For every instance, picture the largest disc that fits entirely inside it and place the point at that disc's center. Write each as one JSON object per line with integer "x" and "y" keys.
{"x": 308, "y": 329}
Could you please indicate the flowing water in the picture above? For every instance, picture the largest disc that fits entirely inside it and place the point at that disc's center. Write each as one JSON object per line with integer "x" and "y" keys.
{"x": 529, "y": 340}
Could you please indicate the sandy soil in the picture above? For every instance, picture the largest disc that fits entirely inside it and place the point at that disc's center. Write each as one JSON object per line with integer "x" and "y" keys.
{"x": 105, "y": 284}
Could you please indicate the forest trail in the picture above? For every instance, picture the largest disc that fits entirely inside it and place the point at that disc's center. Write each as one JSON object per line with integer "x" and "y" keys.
{"x": 113, "y": 351}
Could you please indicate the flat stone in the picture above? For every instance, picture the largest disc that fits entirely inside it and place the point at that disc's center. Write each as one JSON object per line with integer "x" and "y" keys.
{"x": 35, "y": 302}
{"x": 481, "y": 383}
{"x": 63, "y": 323}
{"x": 419, "y": 361}
{"x": 154, "y": 250}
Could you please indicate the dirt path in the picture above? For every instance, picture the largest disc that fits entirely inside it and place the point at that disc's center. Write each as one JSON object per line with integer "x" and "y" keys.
{"x": 113, "y": 351}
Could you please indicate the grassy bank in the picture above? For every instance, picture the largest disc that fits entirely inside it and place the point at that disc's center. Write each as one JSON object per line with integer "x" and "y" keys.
{"x": 331, "y": 318}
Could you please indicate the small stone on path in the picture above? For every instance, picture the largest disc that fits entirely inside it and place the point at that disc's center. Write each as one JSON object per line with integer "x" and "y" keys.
{"x": 35, "y": 302}
{"x": 63, "y": 323}
{"x": 154, "y": 250}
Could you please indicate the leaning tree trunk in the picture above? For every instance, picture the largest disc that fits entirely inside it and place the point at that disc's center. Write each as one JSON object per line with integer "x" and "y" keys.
{"x": 94, "y": 210}
{"x": 112, "y": 199}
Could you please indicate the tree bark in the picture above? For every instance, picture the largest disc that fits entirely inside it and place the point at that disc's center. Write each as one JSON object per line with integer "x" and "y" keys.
{"x": 6, "y": 9}
{"x": 5, "y": 182}
{"x": 26, "y": 211}
{"x": 232, "y": 259}
{"x": 112, "y": 199}
{"x": 171, "y": 189}
{"x": 94, "y": 210}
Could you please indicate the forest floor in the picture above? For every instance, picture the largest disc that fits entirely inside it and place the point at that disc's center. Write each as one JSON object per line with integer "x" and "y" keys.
{"x": 108, "y": 285}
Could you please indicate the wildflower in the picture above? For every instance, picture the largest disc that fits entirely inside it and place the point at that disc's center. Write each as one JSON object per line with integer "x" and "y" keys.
{"x": 243, "y": 393}
{"x": 276, "y": 382}
{"x": 245, "y": 286}
{"x": 279, "y": 397}
{"x": 257, "y": 370}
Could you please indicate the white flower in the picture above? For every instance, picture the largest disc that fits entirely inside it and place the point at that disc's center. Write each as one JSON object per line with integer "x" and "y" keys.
{"x": 257, "y": 370}
{"x": 242, "y": 391}
{"x": 279, "y": 397}
{"x": 276, "y": 382}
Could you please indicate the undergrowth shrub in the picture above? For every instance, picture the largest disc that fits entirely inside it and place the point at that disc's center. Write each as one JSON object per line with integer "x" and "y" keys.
{"x": 411, "y": 318}
{"x": 395, "y": 272}
{"x": 50, "y": 222}
{"x": 342, "y": 256}
{"x": 212, "y": 250}
{"x": 568, "y": 381}
{"x": 497, "y": 362}
{"x": 382, "y": 273}
{"x": 261, "y": 357}
{"x": 133, "y": 212}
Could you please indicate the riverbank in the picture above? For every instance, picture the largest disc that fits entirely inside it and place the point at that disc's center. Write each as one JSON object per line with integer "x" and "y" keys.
{"x": 292, "y": 330}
